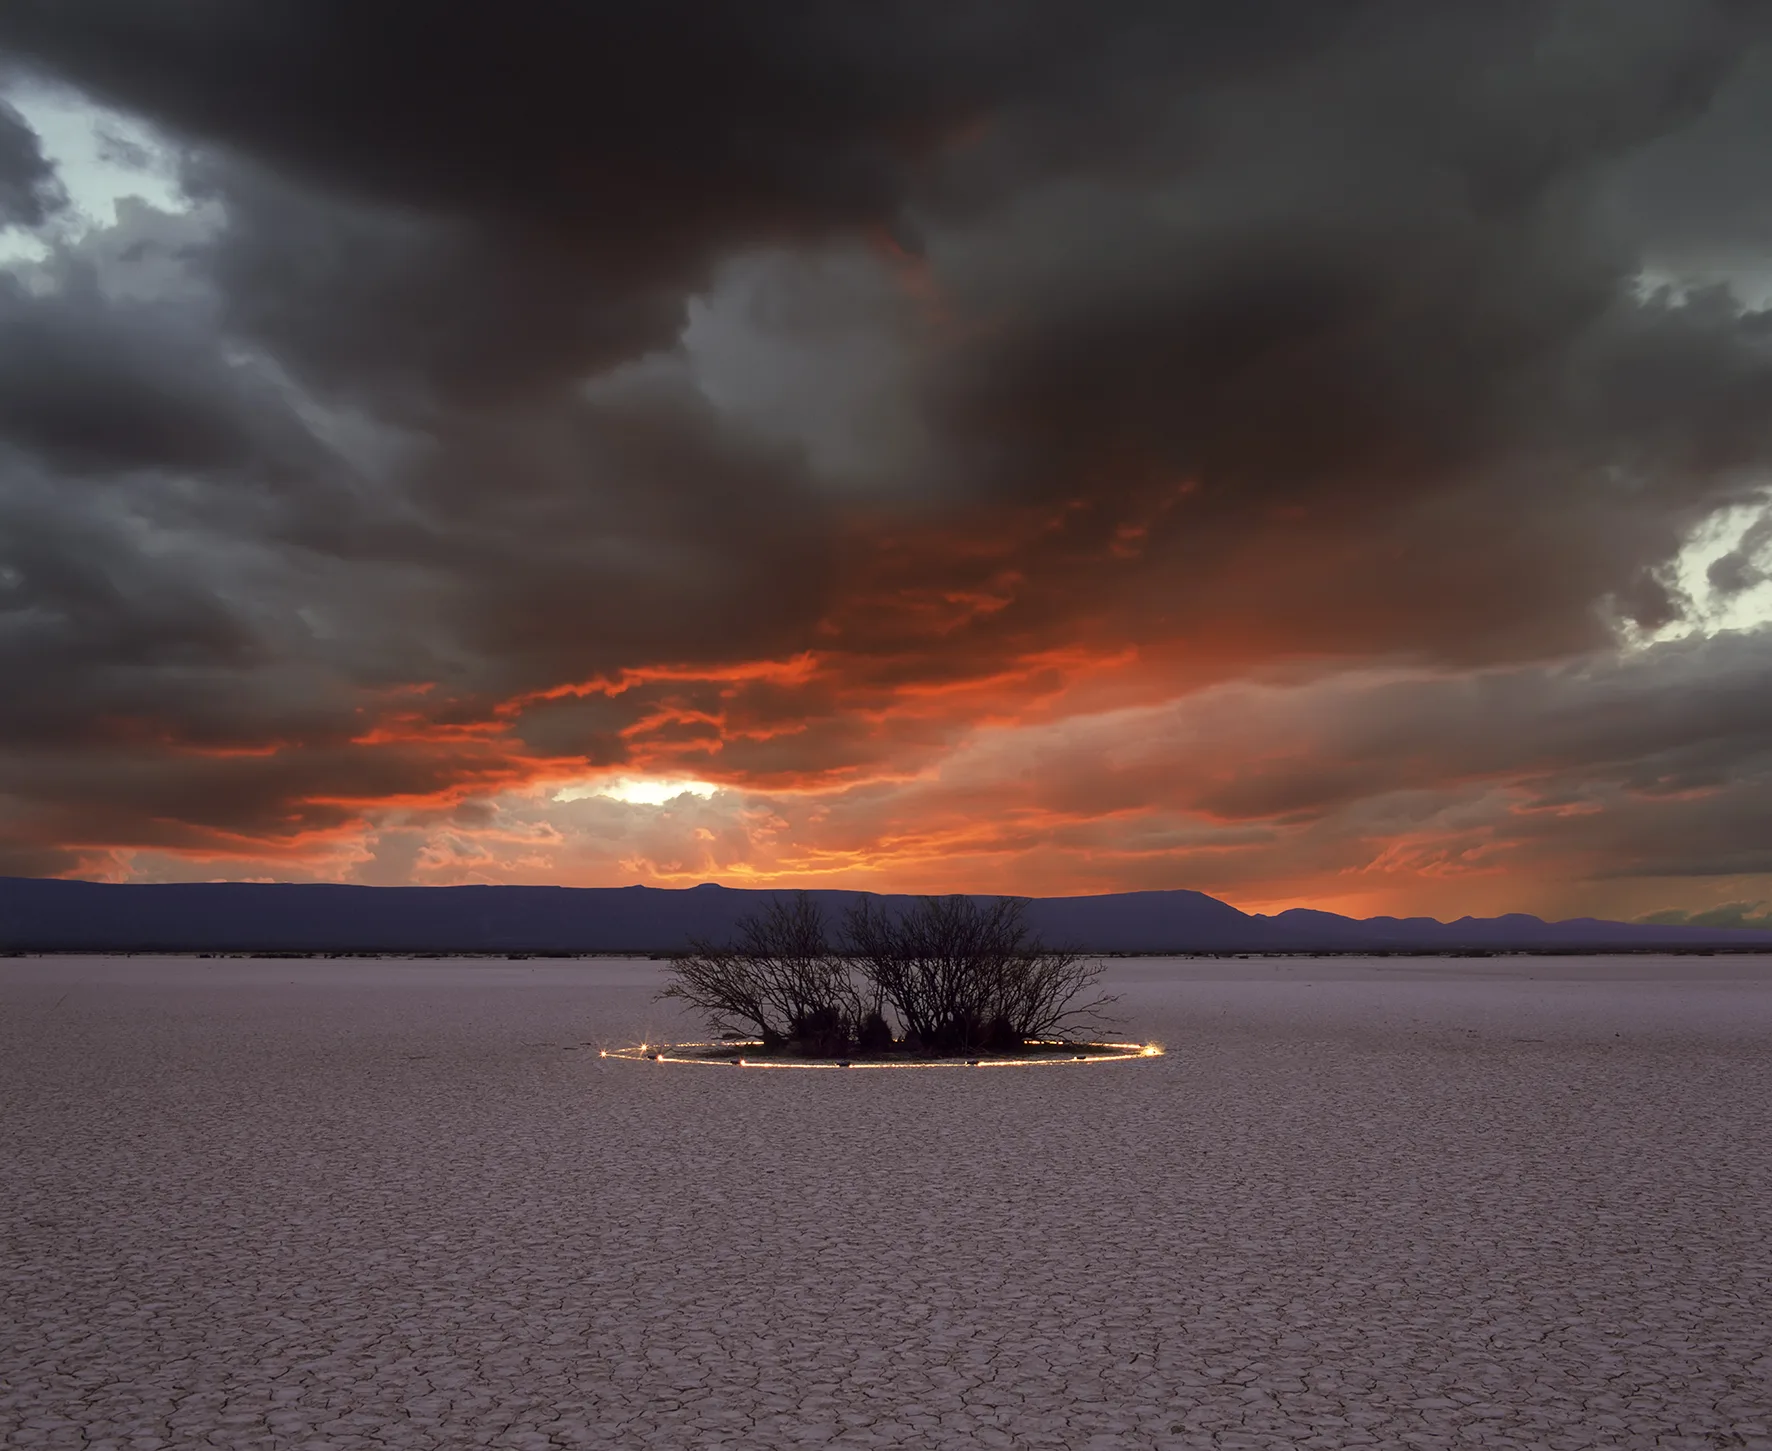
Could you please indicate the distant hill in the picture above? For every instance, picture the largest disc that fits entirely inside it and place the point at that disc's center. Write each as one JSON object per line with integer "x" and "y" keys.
{"x": 39, "y": 915}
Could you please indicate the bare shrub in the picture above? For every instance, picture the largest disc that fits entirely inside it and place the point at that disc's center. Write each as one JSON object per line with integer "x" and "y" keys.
{"x": 779, "y": 981}
{"x": 960, "y": 974}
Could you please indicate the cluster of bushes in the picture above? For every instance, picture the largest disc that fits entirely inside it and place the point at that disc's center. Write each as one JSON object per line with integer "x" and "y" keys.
{"x": 951, "y": 975}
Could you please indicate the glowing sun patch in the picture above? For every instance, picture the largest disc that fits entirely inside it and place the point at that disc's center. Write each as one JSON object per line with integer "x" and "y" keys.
{"x": 638, "y": 790}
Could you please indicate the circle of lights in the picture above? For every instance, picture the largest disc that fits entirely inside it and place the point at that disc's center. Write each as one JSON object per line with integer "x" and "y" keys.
{"x": 686, "y": 1053}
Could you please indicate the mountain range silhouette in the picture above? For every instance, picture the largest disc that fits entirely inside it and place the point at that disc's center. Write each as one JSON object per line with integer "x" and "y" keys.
{"x": 54, "y": 915}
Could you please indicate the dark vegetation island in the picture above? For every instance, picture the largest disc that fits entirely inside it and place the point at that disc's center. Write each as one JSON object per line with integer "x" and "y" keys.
{"x": 947, "y": 977}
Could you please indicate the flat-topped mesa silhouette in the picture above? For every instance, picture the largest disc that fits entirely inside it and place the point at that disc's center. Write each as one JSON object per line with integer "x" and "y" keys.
{"x": 947, "y": 977}
{"x": 54, "y": 915}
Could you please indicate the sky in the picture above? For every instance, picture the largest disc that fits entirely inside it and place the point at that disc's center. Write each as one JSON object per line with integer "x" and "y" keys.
{"x": 1315, "y": 452}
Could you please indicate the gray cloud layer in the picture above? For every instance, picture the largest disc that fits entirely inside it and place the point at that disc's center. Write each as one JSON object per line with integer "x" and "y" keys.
{"x": 29, "y": 192}
{"x": 1243, "y": 334}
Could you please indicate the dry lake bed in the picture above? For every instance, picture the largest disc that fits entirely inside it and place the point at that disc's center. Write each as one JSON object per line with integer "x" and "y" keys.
{"x": 384, "y": 1204}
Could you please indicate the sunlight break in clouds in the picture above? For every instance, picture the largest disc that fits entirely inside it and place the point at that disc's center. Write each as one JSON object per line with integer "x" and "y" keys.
{"x": 101, "y": 157}
{"x": 638, "y": 790}
{"x": 1723, "y": 575}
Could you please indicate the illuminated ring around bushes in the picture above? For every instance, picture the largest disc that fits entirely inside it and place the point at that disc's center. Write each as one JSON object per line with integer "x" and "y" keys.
{"x": 681, "y": 1053}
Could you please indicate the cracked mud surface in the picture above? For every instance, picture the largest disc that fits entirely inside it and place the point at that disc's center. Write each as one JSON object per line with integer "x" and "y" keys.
{"x": 380, "y": 1205}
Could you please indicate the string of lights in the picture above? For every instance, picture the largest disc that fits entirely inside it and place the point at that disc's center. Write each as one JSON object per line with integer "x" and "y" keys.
{"x": 703, "y": 1055}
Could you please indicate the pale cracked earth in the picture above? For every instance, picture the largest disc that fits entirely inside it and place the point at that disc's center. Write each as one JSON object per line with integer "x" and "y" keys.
{"x": 381, "y": 1205}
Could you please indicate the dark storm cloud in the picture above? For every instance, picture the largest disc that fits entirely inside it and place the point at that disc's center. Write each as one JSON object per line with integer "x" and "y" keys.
{"x": 1230, "y": 332}
{"x": 122, "y": 632}
{"x": 653, "y": 130}
{"x": 1698, "y": 197}
{"x": 96, "y": 385}
{"x": 1677, "y": 720}
{"x": 29, "y": 191}
{"x": 626, "y": 528}
{"x": 378, "y": 303}
{"x": 1380, "y": 321}
{"x": 497, "y": 196}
